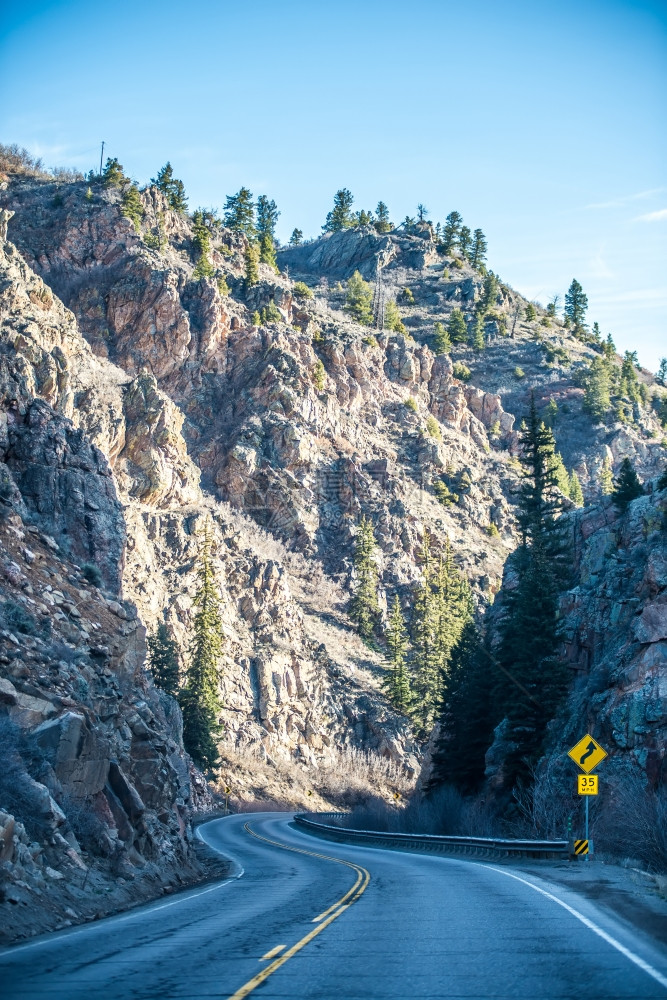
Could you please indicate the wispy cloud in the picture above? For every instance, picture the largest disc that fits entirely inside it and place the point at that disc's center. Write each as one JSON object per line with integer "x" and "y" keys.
{"x": 658, "y": 216}
{"x": 645, "y": 297}
{"x": 626, "y": 199}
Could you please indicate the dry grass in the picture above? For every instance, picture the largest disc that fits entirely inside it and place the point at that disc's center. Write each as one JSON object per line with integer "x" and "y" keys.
{"x": 345, "y": 779}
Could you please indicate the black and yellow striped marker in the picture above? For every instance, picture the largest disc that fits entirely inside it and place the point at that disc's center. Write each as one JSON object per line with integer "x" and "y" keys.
{"x": 581, "y": 847}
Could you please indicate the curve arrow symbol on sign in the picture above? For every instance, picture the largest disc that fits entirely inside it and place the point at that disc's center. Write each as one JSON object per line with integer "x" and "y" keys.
{"x": 589, "y": 750}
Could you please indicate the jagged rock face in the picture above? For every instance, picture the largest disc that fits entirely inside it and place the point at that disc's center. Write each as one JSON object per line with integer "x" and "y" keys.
{"x": 615, "y": 625}
{"x": 301, "y": 424}
{"x": 73, "y": 677}
{"x": 142, "y": 512}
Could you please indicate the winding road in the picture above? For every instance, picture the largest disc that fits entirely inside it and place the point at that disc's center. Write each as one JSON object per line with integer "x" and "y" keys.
{"x": 305, "y": 919}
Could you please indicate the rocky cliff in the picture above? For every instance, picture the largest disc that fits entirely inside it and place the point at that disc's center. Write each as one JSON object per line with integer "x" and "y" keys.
{"x": 140, "y": 400}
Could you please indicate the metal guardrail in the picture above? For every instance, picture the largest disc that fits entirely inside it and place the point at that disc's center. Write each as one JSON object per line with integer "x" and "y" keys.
{"x": 490, "y": 847}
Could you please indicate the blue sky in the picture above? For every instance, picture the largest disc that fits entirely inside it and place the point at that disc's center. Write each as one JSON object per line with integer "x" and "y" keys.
{"x": 541, "y": 122}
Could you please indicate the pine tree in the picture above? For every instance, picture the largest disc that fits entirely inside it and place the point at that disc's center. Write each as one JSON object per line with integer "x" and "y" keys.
{"x": 267, "y": 217}
{"x": 596, "y": 335}
{"x": 113, "y": 174}
{"x": 626, "y": 486}
{"x": 392, "y": 318}
{"x": 363, "y": 218}
{"x": 629, "y": 383}
{"x": 609, "y": 348}
{"x": 465, "y": 241}
{"x": 359, "y": 299}
{"x": 240, "y": 213}
{"x": 172, "y": 188}
{"x": 341, "y": 216}
{"x": 364, "y": 608}
{"x": 465, "y": 717}
{"x": 450, "y": 232}
{"x": 132, "y": 207}
{"x": 479, "y": 248}
{"x": 163, "y": 653}
{"x": 597, "y": 396}
{"x": 441, "y": 339}
{"x": 296, "y": 239}
{"x": 251, "y": 256}
{"x": 551, "y": 412}
{"x": 490, "y": 290}
{"x": 576, "y": 304}
{"x": 531, "y": 679}
{"x": 661, "y": 374}
{"x": 202, "y": 243}
{"x": 606, "y": 478}
{"x": 575, "y": 491}
{"x": 397, "y": 683}
{"x": 424, "y": 640}
{"x": 382, "y": 223}
{"x": 477, "y": 334}
{"x": 561, "y": 476}
{"x": 456, "y": 327}
{"x": 199, "y": 698}
{"x": 422, "y": 212}
{"x": 530, "y": 314}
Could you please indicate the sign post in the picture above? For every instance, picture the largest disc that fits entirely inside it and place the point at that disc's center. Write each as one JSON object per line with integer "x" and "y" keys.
{"x": 586, "y": 754}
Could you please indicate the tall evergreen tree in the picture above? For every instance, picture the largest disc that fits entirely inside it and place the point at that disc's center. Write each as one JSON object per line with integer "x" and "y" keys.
{"x": 359, "y": 299}
{"x": 132, "y": 206}
{"x": 597, "y": 394}
{"x": 450, "y": 232}
{"x": 456, "y": 327}
{"x": 606, "y": 478}
{"x": 382, "y": 223}
{"x": 479, "y": 248}
{"x": 490, "y": 289}
{"x": 661, "y": 374}
{"x": 392, "y": 318}
{"x": 199, "y": 698}
{"x": 267, "y": 217}
{"x": 422, "y": 212}
{"x": 477, "y": 333}
{"x": 465, "y": 717}
{"x": 465, "y": 242}
{"x": 576, "y": 304}
{"x": 163, "y": 654}
{"x": 627, "y": 486}
{"x": 575, "y": 492}
{"x": 171, "y": 187}
{"x": 532, "y": 680}
{"x": 398, "y": 681}
{"x": 341, "y": 215}
{"x": 296, "y": 239}
{"x": 442, "y": 606}
{"x": 251, "y": 264}
{"x": 442, "y": 341}
{"x": 364, "y": 608}
{"x": 202, "y": 242}
{"x": 240, "y": 213}
{"x": 113, "y": 174}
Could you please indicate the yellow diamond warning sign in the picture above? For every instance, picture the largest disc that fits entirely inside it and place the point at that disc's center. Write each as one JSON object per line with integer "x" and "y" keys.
{"x": 587, "y": 754}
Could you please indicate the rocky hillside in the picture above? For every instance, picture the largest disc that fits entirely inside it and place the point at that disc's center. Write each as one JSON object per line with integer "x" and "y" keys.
{"x": 614, "y": 632}
{"x": 142, "y": 399}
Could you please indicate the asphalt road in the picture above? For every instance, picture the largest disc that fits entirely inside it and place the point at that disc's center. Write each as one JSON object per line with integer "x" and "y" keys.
{"x": 374, "y": 924}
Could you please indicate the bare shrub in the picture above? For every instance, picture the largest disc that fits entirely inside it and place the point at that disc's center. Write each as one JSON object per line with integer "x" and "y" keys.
{"x": 445, "y": 813}
{"x": 631, "y": 822}
{"x": 19, "y": 755}
{"x": 16, "y": 159}
{"x": 544, "y": 806}
{"x": 86, "y": 825}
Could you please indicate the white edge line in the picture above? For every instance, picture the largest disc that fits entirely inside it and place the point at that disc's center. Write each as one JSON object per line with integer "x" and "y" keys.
{"x": 639, "y": 962}
{"x": 119, "y": 919}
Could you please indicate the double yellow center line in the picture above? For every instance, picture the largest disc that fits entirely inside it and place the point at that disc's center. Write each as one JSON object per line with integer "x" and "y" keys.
{"x": 322, "y": 920}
